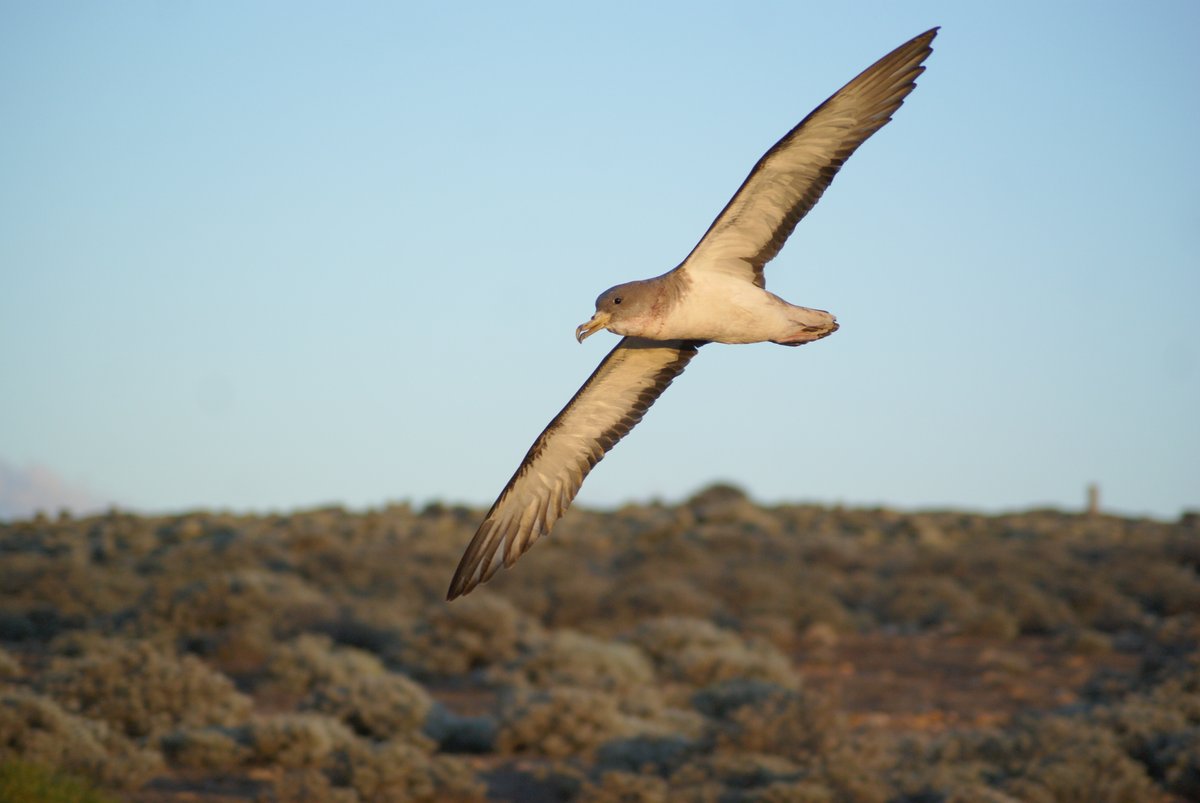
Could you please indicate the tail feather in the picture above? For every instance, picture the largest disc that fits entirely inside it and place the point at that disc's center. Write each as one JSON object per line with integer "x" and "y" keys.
{"x": 811, "y": 324}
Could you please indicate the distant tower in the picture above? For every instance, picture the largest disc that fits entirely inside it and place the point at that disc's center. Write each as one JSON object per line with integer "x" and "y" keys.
{"x": 1093, "y": 499}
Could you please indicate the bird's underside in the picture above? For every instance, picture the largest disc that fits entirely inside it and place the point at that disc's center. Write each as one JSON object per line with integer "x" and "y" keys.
{"x": 717, "y": 293}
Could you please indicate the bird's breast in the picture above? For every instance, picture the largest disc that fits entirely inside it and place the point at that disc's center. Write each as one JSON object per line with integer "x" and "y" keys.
{"x": 724, "y": 311}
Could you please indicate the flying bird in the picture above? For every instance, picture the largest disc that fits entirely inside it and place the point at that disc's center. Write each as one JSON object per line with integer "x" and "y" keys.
{"x": 717, "y": 294}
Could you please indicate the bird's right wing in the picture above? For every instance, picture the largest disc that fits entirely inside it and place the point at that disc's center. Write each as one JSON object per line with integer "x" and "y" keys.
{"x": 610, "y": 403}
{"x": 790, "y": 178}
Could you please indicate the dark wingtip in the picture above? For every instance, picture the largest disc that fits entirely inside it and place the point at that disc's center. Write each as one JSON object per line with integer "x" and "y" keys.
{"x": 925, "y": 38}
{"x": 457, "y": 589}
{"x": 461, "y": 584}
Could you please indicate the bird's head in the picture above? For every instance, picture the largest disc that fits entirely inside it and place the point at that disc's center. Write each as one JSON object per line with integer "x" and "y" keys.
{"x": 618, "y": 309}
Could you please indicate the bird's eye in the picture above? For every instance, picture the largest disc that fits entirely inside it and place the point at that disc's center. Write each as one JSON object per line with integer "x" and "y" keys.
{"x": 617, "y": 300}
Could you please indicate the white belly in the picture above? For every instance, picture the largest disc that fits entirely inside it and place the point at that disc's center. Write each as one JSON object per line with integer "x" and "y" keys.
{"x": 728, "y": 310}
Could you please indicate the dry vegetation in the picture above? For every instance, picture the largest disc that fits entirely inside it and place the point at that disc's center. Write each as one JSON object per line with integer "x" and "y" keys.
{"x": 713, "y": 651}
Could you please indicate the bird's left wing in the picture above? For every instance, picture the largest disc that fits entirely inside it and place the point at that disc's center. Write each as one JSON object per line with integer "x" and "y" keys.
{"x": 790, "y": 178}
{"x": 610, "y": 403}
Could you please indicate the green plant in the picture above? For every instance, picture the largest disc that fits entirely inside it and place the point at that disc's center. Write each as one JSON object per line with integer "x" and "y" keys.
{"x": 26, "y": 782}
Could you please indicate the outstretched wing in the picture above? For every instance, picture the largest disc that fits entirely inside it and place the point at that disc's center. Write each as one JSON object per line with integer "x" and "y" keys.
{"x": 610, "y": 403}
{"x": 790, "y": 178}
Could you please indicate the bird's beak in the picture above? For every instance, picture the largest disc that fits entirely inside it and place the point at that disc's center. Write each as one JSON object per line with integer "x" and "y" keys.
{"x": 597, "y": 322}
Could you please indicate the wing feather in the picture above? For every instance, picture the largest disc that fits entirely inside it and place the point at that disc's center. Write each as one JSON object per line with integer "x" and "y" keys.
{"x": 791, "y": 177}
{"x": 610, "y": 403}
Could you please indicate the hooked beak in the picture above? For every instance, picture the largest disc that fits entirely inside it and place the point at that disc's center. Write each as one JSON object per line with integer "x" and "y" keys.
{"x": 597, "y": 322}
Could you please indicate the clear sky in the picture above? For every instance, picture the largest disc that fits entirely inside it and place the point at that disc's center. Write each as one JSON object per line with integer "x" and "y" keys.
{"x": 271, "y": 255}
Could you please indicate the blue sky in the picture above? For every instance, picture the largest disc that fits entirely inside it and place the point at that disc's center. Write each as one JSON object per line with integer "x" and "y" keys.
{"x": 273, "y": 255}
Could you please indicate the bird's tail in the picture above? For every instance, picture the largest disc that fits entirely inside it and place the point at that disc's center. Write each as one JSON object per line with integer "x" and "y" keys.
{"x": 811, "y": 324}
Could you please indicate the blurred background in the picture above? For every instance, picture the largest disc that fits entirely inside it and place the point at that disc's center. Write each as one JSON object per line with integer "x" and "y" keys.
{"x": 279, "y": 255}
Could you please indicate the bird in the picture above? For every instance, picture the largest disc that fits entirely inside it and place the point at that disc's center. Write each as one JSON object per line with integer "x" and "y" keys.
{"x": 716, "y": 294}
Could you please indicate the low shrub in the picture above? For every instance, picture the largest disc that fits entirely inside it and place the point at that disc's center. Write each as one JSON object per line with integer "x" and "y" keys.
{"x": 140, "y": 689}
{"x": 283, "y": 603}
{"x": 699, "y": 653}
{"x": 920, "y": 602}
{"x": 10, "y": 667}
{"x": 1053, "y": 760}
{"x": 560, "y": 722}
{"x": 567, "y": 658}
{"x": 398, "y": 772}
{"x": 468, "y": 634}
{"x": 294, "y": 741}
{"x": 311, "y": 662}
{"x": 790, "y": 723}
{"x": 627, "y": 787}
{"x": 380, "y": 706}
{"x": 212, "y": 749}
{"x": 37, "y": 730}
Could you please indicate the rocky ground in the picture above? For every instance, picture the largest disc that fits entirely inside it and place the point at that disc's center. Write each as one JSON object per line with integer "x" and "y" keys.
{"x": 712, "y": 651}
